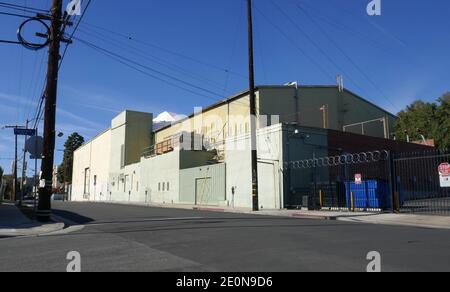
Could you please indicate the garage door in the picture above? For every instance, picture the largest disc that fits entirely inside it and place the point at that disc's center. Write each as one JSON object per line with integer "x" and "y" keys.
{"x": 203, "y": 192}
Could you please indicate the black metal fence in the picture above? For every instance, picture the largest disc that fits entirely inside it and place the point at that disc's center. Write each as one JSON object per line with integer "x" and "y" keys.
{"x": 371, "y": 181}
{"x": 420, "y": 188}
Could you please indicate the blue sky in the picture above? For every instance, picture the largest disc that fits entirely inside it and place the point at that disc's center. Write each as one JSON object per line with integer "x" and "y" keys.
{"x": 400, "y": 56}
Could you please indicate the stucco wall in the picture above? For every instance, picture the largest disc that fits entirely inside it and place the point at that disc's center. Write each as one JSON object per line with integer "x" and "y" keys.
{"x": 303, "y": 105}
{"x": 270, "y": 172}
{"x": 203, "y": 185}
{"x": 95, "y": 156}
{"x": 159, "y": 170}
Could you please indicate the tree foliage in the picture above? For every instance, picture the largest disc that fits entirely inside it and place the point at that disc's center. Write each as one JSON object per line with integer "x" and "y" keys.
{"x": 1, "y": 175}
{"x": 65, "y": 170}
{"x": 431, "y": 120}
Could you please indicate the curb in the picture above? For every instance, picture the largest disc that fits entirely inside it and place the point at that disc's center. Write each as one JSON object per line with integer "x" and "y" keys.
{"x": 315, "y": 217}
{"x": 209, "y": 209}
{"x": 24, "y": 231}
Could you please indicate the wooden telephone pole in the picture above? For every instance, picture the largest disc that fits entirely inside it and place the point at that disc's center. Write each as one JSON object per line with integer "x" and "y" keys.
{"x": 45, "y": 187}
{"x": 253, "y": 123}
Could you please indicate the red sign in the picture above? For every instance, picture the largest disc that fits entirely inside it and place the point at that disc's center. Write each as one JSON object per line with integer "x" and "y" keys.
{"x": 358, "y": 179}
{"x": 444, "y": 169}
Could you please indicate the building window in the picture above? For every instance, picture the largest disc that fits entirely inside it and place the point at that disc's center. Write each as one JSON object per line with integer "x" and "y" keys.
{"x": 159, "y": 187}
{"x": 87, "y": 176}
{"x": 164, "y": 187}
{"x": 126, "y": 180}
{"x": 168, "y": 186}
{"x": 137, "y": 186}
{"x": 122, "y": 156}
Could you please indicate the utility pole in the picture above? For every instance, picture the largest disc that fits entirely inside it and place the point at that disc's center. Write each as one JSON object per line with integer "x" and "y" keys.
{"x": 253, "y": 123}
{"x": 45, "y": 186}
{"x": 24, "y": 168}
{"x": 14, "y": 190}
{"x": 15, "y": 171}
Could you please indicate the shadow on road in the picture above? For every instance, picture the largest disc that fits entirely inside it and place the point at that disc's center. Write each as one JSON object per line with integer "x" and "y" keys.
{"x": 77, "y": 218}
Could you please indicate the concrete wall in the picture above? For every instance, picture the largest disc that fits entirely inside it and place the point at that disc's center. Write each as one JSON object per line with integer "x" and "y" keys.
{"x": 113, "y": 177}
{"x": 124, "y": 186}
{"x": 95, "y": 156}
{"x": 158, "y": 172}
{"x": 131, "y": 134}
{"x": 216, "y": 124}
{"x": 270, "y": 169}
{"x": 139, "y": 135}
{"x": 203, "y": 185}
{"x": 303, "y": 106}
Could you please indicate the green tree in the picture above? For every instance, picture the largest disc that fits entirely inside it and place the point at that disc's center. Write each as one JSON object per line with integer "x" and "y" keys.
{"x": 443, "y": 122}
{"x": 1, "y": 176}
{"x": 73, "y": 142}
{"x": 429, "y": 119}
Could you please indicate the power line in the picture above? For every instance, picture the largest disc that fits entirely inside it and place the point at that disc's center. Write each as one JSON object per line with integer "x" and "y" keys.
{"x": 147, "y": 44}
{"x": 364, "y": 74}
{"x": 155, "y": 59}
{"x": 16, "y": 15}
{"x": 22, "y": 8}
{"x": 125, "y": 59}
{"x": 141, "y": 69}
{"x": 40, "y": 112}
{"x": 73, "y": 33}
{"x": 313, "y": 42}
{"x": 296, "y": 46}
{"x": 235, "y": 42}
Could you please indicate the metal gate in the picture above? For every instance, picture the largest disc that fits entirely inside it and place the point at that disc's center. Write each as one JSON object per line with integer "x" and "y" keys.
{"x": 356, "y": 182}
{"x": 416, "y": 183}
{"x": 422, "y": 182}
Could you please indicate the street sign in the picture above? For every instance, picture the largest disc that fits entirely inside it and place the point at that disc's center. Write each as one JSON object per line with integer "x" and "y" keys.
{"x": 358, "y": 179}
{"x": 34, "y": 146}
{"x": 24, "y": 132}
{"x": 444, "y": 175}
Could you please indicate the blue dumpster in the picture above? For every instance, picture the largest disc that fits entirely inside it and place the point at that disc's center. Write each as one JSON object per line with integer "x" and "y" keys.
{"x": 370, "y": 194}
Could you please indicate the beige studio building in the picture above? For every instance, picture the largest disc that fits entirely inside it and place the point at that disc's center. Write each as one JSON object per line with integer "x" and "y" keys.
{"x": 204, "y": 159}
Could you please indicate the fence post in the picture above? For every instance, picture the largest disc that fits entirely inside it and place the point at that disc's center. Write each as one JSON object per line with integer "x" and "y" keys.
{"x": 392, "y": 180}
{"x": 321, "y": 199}
{"x": 353, "y": 201}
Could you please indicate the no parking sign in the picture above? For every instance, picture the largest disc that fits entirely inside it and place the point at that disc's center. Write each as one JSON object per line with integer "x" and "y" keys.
{"x": 358, "y": 179}
{"x": 444, "y": 175}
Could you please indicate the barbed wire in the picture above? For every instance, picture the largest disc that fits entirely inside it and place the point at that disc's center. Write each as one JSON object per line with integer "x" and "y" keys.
{"x": 346, "y": 159}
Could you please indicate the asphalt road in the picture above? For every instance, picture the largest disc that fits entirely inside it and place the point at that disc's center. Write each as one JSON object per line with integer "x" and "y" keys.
{"x": 133, "y": 238}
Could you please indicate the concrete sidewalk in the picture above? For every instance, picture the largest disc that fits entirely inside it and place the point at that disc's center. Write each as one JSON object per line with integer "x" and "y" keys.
{"x": 14, "y": 223}
{"x": 421, "y": 221}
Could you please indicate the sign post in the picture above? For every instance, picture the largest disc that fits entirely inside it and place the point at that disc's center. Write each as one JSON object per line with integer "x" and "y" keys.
{"x": 444, "y": 175}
